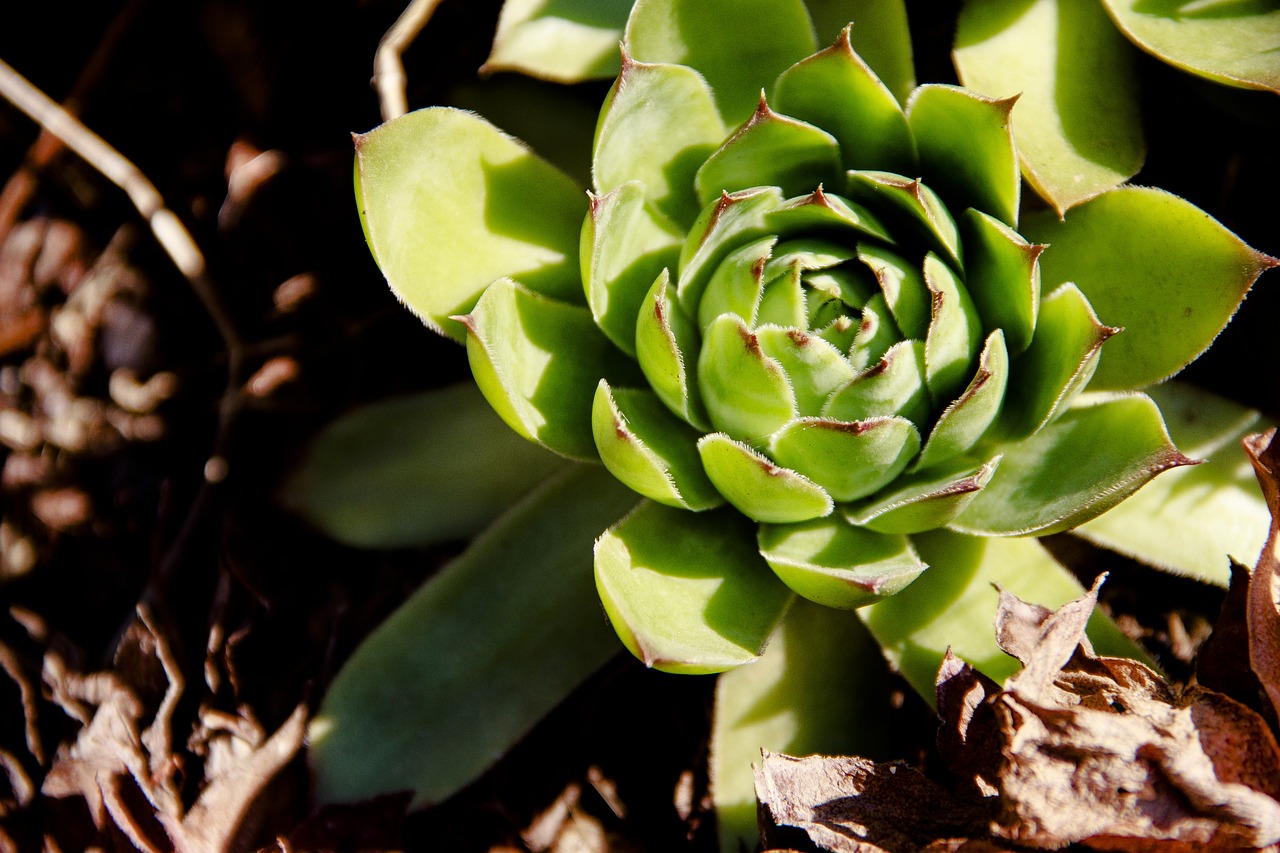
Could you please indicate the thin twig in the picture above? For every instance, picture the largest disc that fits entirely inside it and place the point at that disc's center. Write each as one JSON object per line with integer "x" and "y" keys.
{"x": 388, "y": 68}
{"x": 182, "y": 250}
{"x": 167, "y": 227}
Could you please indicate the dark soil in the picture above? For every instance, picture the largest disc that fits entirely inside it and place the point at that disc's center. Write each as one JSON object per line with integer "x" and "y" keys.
{"x": 130, "y": 510}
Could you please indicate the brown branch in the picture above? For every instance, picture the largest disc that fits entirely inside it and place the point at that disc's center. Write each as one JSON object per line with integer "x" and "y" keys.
{"x": 388, "y": 67}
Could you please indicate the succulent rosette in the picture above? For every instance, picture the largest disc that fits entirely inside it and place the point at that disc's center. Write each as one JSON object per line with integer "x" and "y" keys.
{"x": 800, "y": 321}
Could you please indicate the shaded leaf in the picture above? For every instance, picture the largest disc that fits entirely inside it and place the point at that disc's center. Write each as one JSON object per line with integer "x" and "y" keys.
{"x": 820, "y": 687}
{"x": 880, "y": 36}
{"x": 722, "y": 39}
{"x": 389, "y": 475}
{"x": 563, "y": 40}
{"x": 406, "y": 710}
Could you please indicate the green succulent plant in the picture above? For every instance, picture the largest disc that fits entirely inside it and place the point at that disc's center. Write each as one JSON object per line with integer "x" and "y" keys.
{"x": 801, "y": 326}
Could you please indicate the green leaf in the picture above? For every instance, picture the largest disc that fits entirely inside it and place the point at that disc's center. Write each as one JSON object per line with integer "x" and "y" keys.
{"x": 665, "y": 339}
{"x": 722, "y": 226}
{"x": 747, "y": 393}
{"x": 923, "y": 501}
{"x": 953, "y": 605}
{"x": 1077, "y": 122}
{"x": 848, "y": 460}
{"x": 1228, "y": 42}
{"x": 1094, "y": 456}
{"x": 390, "y": 475}
{"x": 736, "y": 284}
{"x": 625, "y": 244}
{"x": 757, "y": 487}
{"x": 563, "y": 40}
{"x": 1156, "y": 265}
{"x": 657, "y": 125}
{"x": 835, "y": 90}
{"x": 814, "y": 368}
{"x": 449, "y": 203}
{"x": 823, "y": 212}
{"x": 774, "y": 150}
{"x": 407, "y": 710}
{"x": 902, "y": 284}
{"x": 833, "y": 563}
{"x": 1189, "y": 520}
{"x": 955, "y": 332}
{"x": 893, "y": 386}
{"x": 969, "y": 416}
{"x": 966, "y": 150}
{"x": 914, "y": 205}
{"x": 820, "y": 687}
{"x": 1002, "y": 271}
{"x": 876, "y": 334}
{"x": 880, "y": 36}
{"x": 740, "y": 46}
{"x": 651, "y": 450}
{"x": 538, "y": 362}
{"x": 688, "y": 592}
{"x": 1055, "y": 368}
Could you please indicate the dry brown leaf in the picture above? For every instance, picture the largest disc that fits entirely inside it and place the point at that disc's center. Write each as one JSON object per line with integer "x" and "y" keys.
{"x": 1075, "y": 749}
{"x": 129, "y": 774}
{"x": 1264, "y": 586}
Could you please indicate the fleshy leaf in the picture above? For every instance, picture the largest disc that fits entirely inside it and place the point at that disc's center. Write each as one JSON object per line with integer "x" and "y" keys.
{"x": 665, "y": 338}
{"x": 965, "y": 143}
{"x": 813, "y": 366}
{"x": 893, "y": 386}
{"x": 739, "y": 46}
{"x": 1077, "y": 124}
{"x": 1002, "y": 272}
{"x": 746, "y": 392}
{"x": 965, "y": 420}
{"x": 835, "y": 90}
{"x": 389, "y": 475}
{"x": 758, "y": 487}
{"x": 567, "y": 41}
{"x": 1189, "y": 520}
{"x": 783, "y": 301}
{"x": 722, "y": 226}
{"x": 953, "y": 605}
{"x": 875, "y": 335}
{"x": 880, "y": 36}
{"x": 915, "y": 205}
{"x": 955, "y": 332}
{"x": 1087, "y": 461}
{"x": 770, "y": 149}
{"x": 1156, "y": 265}
{"x": 902, "y": 284}
{"x": 919, "y": 502}
{"x": 821, "y": 211}
{"x": 849, "y": 460}
{"x": 625, "y": 244}
{"x": 820, "y": 687}
{"x": 538, "y": 362}
{"x": 833, "y": 563}
{"x": 1057, "y": 365}
{"x": 688, "y": 592}
{"x": 736, "y": 284}
{"x": 651, "y": 450}
{"x": 407, "y": 712}
{"x": 449, "y": 203}
{"x": 657, "y": 125}
{"x": 1232, "y": 43}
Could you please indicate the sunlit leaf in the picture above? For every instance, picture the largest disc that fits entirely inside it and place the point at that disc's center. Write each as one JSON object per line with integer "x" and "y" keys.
{"x": 1189, "y": 521}
{"x": 1077, "y": 121}
{"x": 449, "y": 203}
{"x": 1156, "y": 265}
{"x": 564, "y": 40}
{"x": 688, "y": 592}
